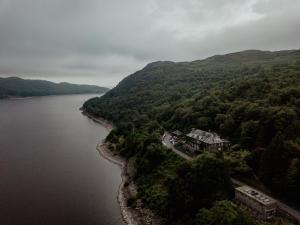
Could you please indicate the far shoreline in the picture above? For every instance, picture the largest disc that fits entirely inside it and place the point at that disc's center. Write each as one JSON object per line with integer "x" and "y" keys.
{"x": 15, "y": 97}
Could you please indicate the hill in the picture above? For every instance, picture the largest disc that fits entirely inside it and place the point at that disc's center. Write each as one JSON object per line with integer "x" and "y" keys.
{"x": 250, "y": 97}
{"x": 14, "y": 86}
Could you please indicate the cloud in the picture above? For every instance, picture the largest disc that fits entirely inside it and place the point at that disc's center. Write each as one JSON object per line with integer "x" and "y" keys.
{"x": 96, "y": 41}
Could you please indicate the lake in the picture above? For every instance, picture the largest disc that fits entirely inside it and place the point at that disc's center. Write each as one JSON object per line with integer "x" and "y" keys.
{"x": 50, "y": 170}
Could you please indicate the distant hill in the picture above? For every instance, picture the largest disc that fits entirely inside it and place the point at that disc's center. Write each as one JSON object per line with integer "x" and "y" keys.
{"x": 165, "y": 86}
{"x": 14, "y": 86}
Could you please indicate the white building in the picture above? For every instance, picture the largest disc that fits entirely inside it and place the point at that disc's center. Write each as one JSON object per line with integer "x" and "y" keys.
{"x": 203, "y": 140}
{"x": 261, "y": 206}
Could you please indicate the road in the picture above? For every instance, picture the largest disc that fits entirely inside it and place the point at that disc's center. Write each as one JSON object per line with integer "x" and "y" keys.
{"x": 166, "y": 142}
{"x": 282, "y": 206}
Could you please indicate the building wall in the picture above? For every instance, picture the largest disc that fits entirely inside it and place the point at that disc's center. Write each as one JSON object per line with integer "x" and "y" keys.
{"x": 199, "y": 145}
{"x": 260, "y": 210}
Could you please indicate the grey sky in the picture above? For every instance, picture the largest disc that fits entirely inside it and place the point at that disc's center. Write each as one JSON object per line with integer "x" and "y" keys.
{"x": 100, "y": 42}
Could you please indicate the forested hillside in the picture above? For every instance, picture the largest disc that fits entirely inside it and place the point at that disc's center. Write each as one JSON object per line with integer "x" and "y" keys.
{"x": 250, "y": 97}
{"x": 14, "y": 86}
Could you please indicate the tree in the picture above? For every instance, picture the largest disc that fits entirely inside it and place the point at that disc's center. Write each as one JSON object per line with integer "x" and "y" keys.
{"x": 153, "y": 155}
{"x": 293, "y": 179}
{"x": 223, "y": 213}
{"x": 249, "y": 133}
{"x": 274, "y": 163}
{"x": 198, "y": 184}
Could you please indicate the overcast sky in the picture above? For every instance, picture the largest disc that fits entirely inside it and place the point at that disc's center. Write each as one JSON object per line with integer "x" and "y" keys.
{"x": 101, "y": 42}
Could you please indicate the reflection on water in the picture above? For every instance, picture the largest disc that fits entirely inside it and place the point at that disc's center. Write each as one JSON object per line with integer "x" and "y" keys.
{"x": 50, "y": 171}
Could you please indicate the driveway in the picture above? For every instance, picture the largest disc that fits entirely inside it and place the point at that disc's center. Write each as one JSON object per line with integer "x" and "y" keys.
{"x": 166, "y": 141}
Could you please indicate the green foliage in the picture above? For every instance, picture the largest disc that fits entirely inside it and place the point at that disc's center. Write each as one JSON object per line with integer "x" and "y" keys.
{"x": 281, "y": 160}
{"x": 250, "y": 97}
{"x": 131, "y": 202}
{"x": 237, "y": 162}
{"x": 223, "y": 213}
{"x": 249, "y": 132}
{"x": 154, "y": 155}
{"x": 155, "y": 197}
{"x": 164, "y": 179}
{"x": 198, "y": 184}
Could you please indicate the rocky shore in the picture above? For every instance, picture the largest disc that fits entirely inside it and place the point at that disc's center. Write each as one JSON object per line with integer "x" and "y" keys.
{"x": 135, "y": 214}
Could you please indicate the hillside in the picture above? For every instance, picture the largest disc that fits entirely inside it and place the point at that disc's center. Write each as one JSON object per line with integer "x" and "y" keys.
{"x": 161, "y": 85}
{"x": 250, "y": 97}
{"x": 14, "y": 86}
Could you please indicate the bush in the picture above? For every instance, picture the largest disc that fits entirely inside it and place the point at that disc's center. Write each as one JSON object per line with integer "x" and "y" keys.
{"x": 223, "y": 213}
{"x": 131, "y": 202}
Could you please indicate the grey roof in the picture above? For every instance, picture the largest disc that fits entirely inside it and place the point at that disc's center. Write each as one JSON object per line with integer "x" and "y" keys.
{"x": 177, "y": 132}
{"x": 256, "y": 195}
{"x": 206, "y": 137}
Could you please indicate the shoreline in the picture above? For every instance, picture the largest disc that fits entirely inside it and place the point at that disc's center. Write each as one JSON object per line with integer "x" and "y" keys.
{"x": 127, "y": 188}
{"x": 122, "y": 200}
{"x": 109, "y": 126}
{"x": 15, "y": 97}
{"x": 136, "y": 215}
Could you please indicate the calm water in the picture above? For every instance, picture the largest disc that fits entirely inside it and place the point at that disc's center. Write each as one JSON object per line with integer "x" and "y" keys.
{"x": 50, "y": 171}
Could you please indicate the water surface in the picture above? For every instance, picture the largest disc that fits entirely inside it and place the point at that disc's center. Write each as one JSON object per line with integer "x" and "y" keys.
{"x": 50, "y": 171}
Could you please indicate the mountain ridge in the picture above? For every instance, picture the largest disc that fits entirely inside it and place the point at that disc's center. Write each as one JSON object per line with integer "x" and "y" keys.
{"x": 250, "y": 98}
{"x": 16, "y": 86}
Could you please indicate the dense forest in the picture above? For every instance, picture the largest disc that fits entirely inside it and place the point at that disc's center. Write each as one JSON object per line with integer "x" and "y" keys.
{"x": 250, "y": 97}
{"x": 14, "y": 86}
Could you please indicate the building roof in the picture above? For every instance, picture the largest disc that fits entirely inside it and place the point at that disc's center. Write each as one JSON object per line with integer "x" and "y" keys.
{"x": 256, "y": 195}
{"x": 177, "y": 132}
{"x": 206, "y": 137}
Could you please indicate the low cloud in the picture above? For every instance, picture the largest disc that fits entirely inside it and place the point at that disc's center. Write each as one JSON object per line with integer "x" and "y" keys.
{"x": 100, "y": 42}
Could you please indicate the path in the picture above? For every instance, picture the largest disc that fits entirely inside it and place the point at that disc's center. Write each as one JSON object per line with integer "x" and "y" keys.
{"x": 166, "y": 142}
